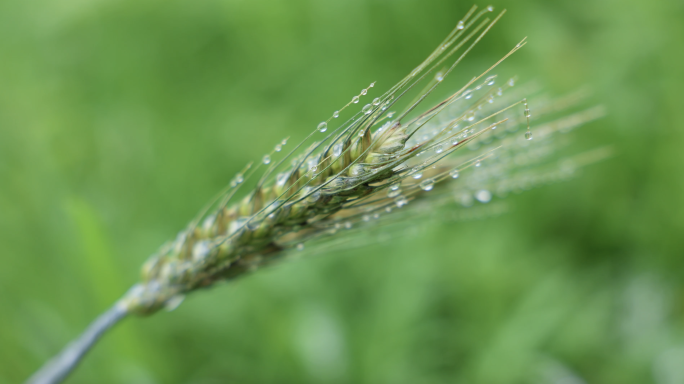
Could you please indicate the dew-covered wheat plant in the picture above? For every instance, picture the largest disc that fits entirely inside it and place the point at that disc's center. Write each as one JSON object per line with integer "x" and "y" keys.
{"x": 391, "y": 160}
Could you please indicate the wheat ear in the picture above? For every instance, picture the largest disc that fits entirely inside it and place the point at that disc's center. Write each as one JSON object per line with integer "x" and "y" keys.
{"x": 375, "y": 163}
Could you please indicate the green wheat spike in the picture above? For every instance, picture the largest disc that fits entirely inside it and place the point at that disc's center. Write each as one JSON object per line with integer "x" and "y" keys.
{"x": 378, "y": 169}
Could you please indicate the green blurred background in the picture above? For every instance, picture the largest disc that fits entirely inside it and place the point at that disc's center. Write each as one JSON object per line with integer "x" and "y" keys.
{"x": 119, "y": 119}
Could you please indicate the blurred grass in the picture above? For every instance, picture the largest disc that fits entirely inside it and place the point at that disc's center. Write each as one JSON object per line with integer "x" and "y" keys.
{"x": 120, "y": 119}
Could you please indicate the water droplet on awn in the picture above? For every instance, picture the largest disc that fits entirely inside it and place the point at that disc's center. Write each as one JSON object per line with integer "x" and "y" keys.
{"x": 323, "y": 126}
{"x": 483, "y": 196}
{"x": 427, "y": 185}
{"x": 393, "y": 193}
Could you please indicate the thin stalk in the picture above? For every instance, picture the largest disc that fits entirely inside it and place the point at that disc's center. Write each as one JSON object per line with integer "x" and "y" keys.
{"x": 60, "y": 366}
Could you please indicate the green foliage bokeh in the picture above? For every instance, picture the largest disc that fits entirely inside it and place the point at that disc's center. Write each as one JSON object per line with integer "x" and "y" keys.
{"x": 120, "y": 119}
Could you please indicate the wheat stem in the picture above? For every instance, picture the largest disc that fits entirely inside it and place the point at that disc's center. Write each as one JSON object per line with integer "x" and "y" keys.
{"x": 59, "y": 367}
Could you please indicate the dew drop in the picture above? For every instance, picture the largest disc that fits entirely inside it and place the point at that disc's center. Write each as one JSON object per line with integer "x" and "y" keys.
{"x": 313, "y": 164}
{"x": 393, "y": 193}
{"x": 483, "y": 196}
{"x": 173, "y": 302}
{"x": 490, "y": 99}
{"x": 478, "y": 163}
{"x": 314, "y": 196}
{"x": 239, "y": 178}
{"x": 390, "y": 114}
{"x": 336, "y": 114}
{"x": 468, "y": 94}
{"x": 490, "y": 80}
{"x": 427, "y": 185}
{"x": 201, "y": 250}
{"x": 439, "y": 76}
{"x": 356, "y": 170}
{"x": 278, "y": 148}
{"x": 208, "y": 223}
{"x": 384, "y": 126}
{"x": 490, "y": 8}
{"x": 348, "y": 224}
{"x": 376, "y": 216}
{"x": 266, "y": 159}
{"x": 470, "y": 116}
{"x": 454, "y": 174}
{"x": 499, "y": 92}
{"x": 364, "y": 91}
{"x": 372, "y": 85}
{"x": 454, "y": 141}
{"x": 252, "y": 226}
{"x": 366, "y": 218}
{"x": 460, "y": 25}
{"x": 439, "y": 149}
{"x": 368, "y": 108}
{"x": 388, "y": 209}
{"x": 376, "y": 101}
{"x": 465, "y": 199}
{"x": 355, "y": 99}
{"x": 528, "y": 135}
{"x": 418, "y": 175}
{"x": 337, "y": 150}
{"x": 323, "y": 126}
{"x": 395, "y": 186}
{"x": 400, "y": 201}
{"x": 511, "y": 82}
{"x": 281, "y": 178}
{"x": 526, "y": 113}
{"x": 283, "y": 142}
{"x": 300, "y": 247}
